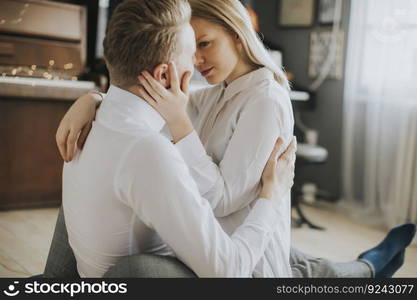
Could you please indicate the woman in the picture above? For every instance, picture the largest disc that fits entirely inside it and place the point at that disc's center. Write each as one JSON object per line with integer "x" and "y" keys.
{"x": 230, "y": 128}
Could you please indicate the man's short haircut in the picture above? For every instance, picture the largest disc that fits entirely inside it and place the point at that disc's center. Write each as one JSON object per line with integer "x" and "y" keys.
{"x": 140, "y": 35}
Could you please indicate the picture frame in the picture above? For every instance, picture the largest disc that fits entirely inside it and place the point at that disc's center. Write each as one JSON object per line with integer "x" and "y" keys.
{"x": 320, "y": 47}
{"x": 326, "y": 10}
{"x": 296, "y": 13}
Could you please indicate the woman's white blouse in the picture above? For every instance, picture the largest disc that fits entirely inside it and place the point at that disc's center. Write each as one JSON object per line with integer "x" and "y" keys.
{"x": 236, "y": 127}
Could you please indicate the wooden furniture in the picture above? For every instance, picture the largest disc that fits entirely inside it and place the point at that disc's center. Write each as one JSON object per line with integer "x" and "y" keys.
{"x": 42, "y": 39}
{"x": 30, "y": 164}
{"x": 42, "y": 56}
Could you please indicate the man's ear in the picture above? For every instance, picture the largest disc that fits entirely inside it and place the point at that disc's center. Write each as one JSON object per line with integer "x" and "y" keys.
{"x": 161, "y": 74}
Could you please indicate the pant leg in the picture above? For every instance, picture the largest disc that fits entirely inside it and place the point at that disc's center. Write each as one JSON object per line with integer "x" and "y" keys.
{"x": 149, "y": 266}
{"x": 61, "y": 261}
{"x": 307, "y": 266}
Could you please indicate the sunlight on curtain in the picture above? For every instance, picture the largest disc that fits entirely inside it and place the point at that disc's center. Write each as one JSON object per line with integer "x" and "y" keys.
{"x": 380, "y": 112}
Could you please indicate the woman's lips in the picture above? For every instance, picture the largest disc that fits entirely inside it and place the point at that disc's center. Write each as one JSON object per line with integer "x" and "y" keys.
{"x": 207, "y": 72}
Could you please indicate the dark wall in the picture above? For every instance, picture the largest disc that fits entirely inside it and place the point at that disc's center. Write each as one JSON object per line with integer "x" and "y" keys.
{"x": 327, "y": 116}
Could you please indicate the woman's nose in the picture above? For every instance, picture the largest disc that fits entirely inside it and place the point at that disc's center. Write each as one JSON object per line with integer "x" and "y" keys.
{"x": 198, "y": 59}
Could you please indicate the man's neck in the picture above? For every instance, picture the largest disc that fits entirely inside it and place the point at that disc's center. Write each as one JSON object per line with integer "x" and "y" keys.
{"x": 134, "y": 89}
{"x": 131, "y": 89}
{"x": 126, "y": 111}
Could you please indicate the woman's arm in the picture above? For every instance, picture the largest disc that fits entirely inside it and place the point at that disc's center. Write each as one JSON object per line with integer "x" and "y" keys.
{"x": 76, "y": 124}
{"x": 234, "y": 182}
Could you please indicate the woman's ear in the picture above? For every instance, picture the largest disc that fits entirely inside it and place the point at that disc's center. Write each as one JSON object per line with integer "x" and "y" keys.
{"x": 238, "y": 43}
{"x": 161, "y": 74}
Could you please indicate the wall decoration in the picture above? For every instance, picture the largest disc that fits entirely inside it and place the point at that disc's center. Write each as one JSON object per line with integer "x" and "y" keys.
{"x": 326, "y": 11}
{"x": 296, "y": 13}
{"x": 320, "y": 52}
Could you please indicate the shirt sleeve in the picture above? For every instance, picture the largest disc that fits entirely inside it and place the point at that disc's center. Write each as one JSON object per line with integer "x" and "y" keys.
{"x": 234, "y": 182}
{"x": 155, "y": 182}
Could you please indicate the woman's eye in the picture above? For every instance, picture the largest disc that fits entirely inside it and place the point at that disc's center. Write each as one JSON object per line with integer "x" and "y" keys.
{"x": 203, "y": 44}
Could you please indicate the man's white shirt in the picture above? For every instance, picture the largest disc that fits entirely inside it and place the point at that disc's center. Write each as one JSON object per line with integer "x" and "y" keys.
{"x": 129, "y": 191}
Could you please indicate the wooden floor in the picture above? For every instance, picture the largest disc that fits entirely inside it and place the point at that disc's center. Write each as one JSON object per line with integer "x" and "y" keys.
{"x": 25, "y": 236}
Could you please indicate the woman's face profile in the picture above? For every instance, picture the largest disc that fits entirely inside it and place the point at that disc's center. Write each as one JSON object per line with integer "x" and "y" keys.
{"x": 216, "y": 51}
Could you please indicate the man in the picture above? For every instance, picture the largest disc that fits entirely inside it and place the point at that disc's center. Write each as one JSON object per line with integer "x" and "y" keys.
{"x": 129, "y": 190}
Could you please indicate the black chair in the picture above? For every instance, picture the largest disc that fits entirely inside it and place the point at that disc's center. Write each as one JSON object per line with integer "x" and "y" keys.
{"x": 306, "y": 155}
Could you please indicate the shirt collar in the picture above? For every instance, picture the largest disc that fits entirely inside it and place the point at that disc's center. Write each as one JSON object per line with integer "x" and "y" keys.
{"x": 246, "y": 81}
{"x": 123, "y": 111}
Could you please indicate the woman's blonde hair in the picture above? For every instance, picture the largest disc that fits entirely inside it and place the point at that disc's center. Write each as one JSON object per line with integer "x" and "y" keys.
{"x": 232, "y": 15}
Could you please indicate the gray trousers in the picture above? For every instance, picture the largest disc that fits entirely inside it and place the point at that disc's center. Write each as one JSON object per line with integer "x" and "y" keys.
{"x": 307, "y": 266}
{"x": 61, "y": 263}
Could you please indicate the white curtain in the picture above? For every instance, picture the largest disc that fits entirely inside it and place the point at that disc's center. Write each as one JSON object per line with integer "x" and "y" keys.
{"x": 380, "y": 112}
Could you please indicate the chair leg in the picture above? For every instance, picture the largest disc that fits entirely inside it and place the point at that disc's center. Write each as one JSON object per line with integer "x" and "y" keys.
{"x": 303, "y": 219}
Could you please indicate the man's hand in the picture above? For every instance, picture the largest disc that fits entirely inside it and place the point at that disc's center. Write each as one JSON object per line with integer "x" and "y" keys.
{"x": 278, "y": 174}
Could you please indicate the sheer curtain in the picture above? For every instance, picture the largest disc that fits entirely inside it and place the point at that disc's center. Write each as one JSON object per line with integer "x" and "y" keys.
{"x": 380, "y": 112}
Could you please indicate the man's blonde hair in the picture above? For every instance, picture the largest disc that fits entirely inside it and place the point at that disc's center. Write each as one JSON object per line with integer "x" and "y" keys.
{"x": 140, "y": 35}
{"x": 232, "y": 16}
